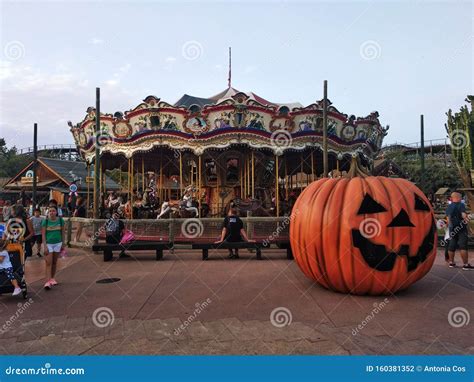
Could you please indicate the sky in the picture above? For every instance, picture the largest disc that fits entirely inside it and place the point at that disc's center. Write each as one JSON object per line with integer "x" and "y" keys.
{"x": 401, "y": 59}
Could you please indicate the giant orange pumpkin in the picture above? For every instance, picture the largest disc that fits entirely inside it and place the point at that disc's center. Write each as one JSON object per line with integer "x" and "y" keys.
{"x": 363, "y": 234}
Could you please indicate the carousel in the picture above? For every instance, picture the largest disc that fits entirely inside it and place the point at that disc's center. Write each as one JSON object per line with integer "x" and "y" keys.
{"x": 193, "y": 157}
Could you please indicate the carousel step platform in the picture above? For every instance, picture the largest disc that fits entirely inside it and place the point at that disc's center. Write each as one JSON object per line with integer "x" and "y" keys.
{"x": 108, "y": 249}
{"x": 228, "y": 245}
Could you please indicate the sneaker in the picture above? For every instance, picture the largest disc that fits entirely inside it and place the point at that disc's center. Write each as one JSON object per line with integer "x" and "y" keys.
{"x": 467, "y": 267}
{"x": 53, "y": 282}
{"x": 47, "y": 285}
{"x": 16, "y": 292}
{"x": 123, "y": 255}
{"x": 452, "y": 265}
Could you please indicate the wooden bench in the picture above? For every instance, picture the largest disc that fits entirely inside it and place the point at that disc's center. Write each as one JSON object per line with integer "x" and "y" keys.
{"x": 134, "y": 246}
{"x": 228, "y": 245}
{"x": 285, "y": 244}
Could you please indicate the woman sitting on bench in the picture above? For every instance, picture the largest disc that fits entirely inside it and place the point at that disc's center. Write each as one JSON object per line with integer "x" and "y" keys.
{"x": 233, "y": 230}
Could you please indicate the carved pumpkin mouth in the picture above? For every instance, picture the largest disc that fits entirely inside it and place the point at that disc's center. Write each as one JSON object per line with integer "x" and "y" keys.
{"x": 377, "y": 257}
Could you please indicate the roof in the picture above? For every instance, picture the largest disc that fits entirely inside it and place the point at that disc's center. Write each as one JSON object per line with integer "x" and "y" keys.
{"x": 187, "y": 100}
{"x": 72, "y": 171}
{"x": 442, "y": 191}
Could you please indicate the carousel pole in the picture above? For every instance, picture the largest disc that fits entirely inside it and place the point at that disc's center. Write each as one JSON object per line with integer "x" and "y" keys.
{"x": 88, "y": 187}
{"x": 277, "y": 196}
{"x": 97, "y": 154}
{"x": 143, "y": 174}
{"x": 245, "y": 179}
{"x": 325, "y": 130}
{"x": 199, "y": 180}
{"x": 128, "y": 181}
{"x": 217, "y": 188}
{"x": 161, "y": 177}
{"x": 253, "y": 174}
{"x": 248, "y": 175}
{"x": 241, "y": 180}
{"x": 312, "y": 165}
{"x": 302, "y": 172}
{"x": 286, "y": 178}
{"x": 180, "y": 175}
{"x": 132, "y": 182}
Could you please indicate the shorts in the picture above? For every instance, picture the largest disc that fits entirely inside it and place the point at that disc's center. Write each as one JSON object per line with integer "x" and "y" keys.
{"x": 37, "y": 239}
{"x": 56, "y": 248}
{"x": 458, "y": 241}
{"x": 9, "y": 272}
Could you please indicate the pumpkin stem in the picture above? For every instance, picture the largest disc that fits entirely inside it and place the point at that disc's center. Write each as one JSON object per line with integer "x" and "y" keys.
{"x": 356, "y": 169}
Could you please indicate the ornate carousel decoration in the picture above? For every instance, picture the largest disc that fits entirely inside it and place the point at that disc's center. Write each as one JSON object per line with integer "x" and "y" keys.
{"x": 231, "y": 145}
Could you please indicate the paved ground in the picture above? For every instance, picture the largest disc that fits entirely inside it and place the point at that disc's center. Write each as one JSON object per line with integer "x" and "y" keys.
{"x": 182, "y": 305}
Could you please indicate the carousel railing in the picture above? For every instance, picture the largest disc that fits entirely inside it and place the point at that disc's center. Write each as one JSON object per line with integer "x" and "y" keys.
{"x": 178, "y": 231}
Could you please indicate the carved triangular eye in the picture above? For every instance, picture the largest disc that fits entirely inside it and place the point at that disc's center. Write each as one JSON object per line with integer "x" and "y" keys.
{"x": 370, "y": 206}
{"x": 401, "y": 220}
{"x": 420, "y": 204}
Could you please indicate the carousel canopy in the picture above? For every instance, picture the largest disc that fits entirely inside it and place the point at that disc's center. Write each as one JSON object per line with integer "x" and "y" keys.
{"x": 226, "y": 119}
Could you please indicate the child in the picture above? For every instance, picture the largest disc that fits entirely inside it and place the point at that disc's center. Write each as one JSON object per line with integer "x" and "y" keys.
{"x": 37, "y": 238}
{"x": 53, "y": 240}
{"x": 7, "y": 268}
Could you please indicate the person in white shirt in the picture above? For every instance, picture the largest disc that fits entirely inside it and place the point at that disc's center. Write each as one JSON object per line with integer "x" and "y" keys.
{"x": 165, "y": 208}
{"x": 7, "y": 267}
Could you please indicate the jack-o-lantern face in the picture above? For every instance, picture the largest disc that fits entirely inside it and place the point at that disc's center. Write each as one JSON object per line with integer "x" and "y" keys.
{"x": 376, "y": 255}
{"x": 371, "y": 235}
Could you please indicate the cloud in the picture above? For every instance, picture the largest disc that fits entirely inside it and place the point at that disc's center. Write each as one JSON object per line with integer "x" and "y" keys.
{"x": 96, "y": 41}
{"x": 51, "y": 98}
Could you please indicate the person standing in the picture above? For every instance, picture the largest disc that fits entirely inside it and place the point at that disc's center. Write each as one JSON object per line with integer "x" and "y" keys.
{"x": 7, "y": 211}
{"x": 22, "y": 217}
{"x": 458, "y": 223}
{"x": 80, "y": 212}
{"x": 53, "y": 239}
{"x": 37, "y": 222}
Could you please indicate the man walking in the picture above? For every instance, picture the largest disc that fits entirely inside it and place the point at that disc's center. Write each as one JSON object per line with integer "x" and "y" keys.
{"x": 458, "y": 222}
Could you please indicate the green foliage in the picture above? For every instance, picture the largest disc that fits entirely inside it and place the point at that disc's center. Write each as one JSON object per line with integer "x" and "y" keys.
{"x": 460, "y": 127}
{"x": 436, "y": 175}
{"x": 10, "y": 162}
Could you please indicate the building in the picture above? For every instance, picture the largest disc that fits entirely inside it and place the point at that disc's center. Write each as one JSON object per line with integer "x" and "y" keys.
{"x": 55, "y": 179}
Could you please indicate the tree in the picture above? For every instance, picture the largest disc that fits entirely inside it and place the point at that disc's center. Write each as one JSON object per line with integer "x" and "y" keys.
{"x": 460, "y": 128}
{"x": 436, "y": 174}
{"x": 10, "y": 162}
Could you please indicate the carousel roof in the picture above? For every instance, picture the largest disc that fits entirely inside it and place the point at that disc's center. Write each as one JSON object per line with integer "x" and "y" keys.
{"x": 229, "y": 118}
{"x": 188, "y": 100}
